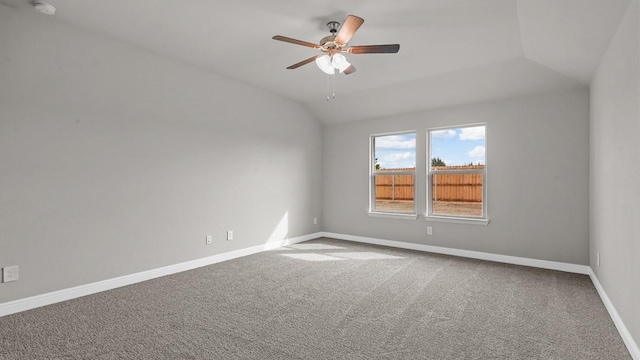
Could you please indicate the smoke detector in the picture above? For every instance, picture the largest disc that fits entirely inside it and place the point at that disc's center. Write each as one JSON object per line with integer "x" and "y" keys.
{"x": 44, "y": 7}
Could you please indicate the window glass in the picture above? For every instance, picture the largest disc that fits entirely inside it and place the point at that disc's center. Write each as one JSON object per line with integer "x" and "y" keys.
{"x": 457, "y": 172}
{"x": 393, "y": 168}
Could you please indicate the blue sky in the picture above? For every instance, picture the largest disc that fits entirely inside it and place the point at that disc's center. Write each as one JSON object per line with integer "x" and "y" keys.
{"x": 455, "y": 146}
{"x": 459, "y": 146}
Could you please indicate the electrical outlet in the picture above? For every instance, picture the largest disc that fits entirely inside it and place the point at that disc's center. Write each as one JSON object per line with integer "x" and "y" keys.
{"x": 315, "y": 221}
{"x": 429, "y": 230}
{"x": 230, "y": 235}
{"x": 10, "y": 273}
{"x": 209, "y": 239}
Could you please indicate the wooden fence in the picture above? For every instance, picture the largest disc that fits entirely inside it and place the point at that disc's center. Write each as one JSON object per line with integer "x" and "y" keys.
{"x": 445, "y": 187}
{"x": 394, "y": 187}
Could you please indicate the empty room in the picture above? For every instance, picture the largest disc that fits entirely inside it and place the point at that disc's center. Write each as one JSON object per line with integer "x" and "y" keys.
{"x": 427, "y": 179}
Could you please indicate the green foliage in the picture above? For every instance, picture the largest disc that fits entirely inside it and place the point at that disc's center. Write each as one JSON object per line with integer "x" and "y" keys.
{"x": 437, "y": 162}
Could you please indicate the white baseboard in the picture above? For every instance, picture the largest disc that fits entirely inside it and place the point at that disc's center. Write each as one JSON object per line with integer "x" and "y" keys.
{"x": 544, "y": 264}
{"x": 572, "y": 268}
{"x": 622, "y": 329}
{"x": 32, "y": 302}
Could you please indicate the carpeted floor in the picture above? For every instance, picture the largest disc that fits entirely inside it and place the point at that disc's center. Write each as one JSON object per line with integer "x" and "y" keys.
{"x": 328, "y": 299}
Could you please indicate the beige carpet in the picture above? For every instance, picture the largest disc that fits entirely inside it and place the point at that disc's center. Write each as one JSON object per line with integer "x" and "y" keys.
{"x": 328, "y": 299}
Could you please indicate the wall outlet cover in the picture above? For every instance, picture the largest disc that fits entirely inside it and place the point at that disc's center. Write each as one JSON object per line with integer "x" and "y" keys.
{"x": 10, "y": 273}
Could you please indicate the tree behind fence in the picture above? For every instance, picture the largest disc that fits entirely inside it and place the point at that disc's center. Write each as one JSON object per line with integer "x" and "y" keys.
{"x": 445, "y": 187}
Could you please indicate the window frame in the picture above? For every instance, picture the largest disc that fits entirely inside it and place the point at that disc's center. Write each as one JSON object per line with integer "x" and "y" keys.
{"x": 372, "y": 174}
{"x": 429, "y": 215}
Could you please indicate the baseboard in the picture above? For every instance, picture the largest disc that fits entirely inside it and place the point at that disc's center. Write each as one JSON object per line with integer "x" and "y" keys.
{"x": 622, "y": 329}
{"x": 32, "y": 302}
{"x": 572, "y": 268}
{"x": 544, "y": 264}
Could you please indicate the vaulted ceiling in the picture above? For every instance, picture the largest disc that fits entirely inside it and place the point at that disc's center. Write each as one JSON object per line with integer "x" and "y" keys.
{"x": 452, "y": 51}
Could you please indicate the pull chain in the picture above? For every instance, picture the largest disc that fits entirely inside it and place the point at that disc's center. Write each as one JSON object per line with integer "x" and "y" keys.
{"x": 328, "y": 87}
{"x": 331, "y": 87}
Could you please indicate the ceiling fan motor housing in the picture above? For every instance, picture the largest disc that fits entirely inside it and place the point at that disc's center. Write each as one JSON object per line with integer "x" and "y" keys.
{"x": 328, "y": 41}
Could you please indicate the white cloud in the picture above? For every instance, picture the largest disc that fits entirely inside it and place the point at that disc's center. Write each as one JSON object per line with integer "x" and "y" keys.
{"x": 477, "y": 152}
{"x": 396, "y": 142}
{"x": 472, "y": 133}
{"x": 398, "y": 160}
{"x": 443, "y": 134}
{"x": 398, "y": 157}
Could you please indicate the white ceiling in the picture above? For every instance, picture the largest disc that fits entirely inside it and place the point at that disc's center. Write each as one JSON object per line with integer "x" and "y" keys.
{"x": 451, "y": 51}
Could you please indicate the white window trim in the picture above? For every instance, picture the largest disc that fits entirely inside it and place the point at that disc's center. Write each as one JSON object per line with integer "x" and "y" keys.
{"x": 372, "y": 189}
{"x": 392, "y": 215}
{"x": 476, "y": 220}
{"x": 457, "y": 220}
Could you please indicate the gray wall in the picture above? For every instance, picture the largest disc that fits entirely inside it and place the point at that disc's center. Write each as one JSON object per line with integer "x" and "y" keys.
{"x": 115, "y": 160}
{"x": 615, "y": 171}
{"x": 537, "y": 164}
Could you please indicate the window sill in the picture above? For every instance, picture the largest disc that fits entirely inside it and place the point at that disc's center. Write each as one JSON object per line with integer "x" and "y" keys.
{"x": 457, "y": 220}
{"x": 393, "y": 215}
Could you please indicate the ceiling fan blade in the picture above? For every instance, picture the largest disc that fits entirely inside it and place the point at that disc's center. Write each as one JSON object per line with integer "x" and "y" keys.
{"x": 351, "y": 25}
{"x": 296, "y": 41}
{"x": 304, "y": 62}
{"x": 374, "y": 49}
{"x": 350, "y": 70}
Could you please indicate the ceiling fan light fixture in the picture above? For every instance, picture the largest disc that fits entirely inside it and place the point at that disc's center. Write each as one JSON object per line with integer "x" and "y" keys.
{"x": 324, "y": 63}
{"x": 340, "y": 62}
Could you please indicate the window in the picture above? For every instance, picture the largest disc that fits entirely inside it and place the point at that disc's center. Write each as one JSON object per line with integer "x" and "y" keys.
{"x": 393, "y": 173}
{"x": 456, "y": 175}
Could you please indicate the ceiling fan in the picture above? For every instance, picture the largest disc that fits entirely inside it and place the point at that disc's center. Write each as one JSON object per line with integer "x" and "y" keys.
{"x": 332, "y": 47}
